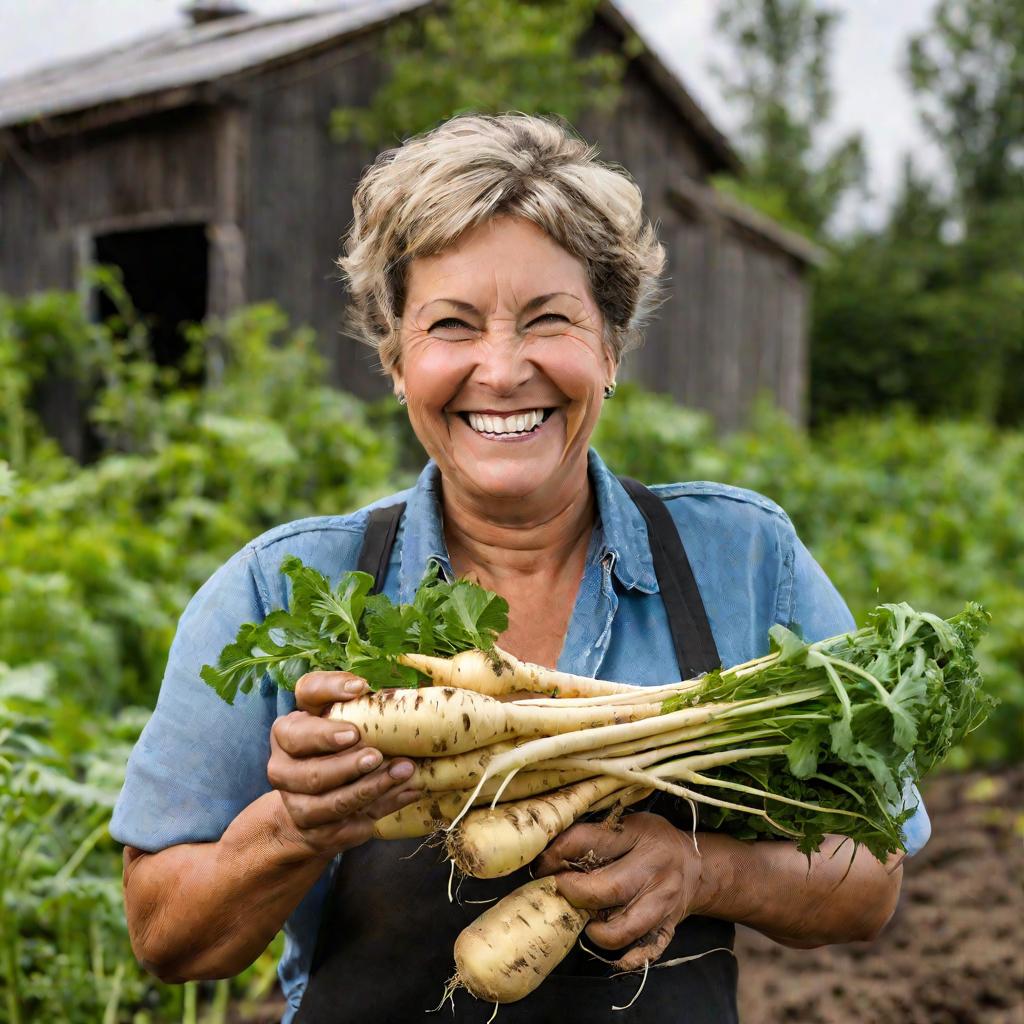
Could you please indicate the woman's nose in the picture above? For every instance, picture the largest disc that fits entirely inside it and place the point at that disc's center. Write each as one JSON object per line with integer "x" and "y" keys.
{"x": 502, "y": 365}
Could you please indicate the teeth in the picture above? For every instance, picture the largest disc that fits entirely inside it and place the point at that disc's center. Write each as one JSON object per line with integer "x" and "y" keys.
{"x": 506, "y": 424}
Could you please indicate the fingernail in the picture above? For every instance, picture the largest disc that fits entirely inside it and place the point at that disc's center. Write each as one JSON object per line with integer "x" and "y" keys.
{"x": 355, "y": 686}
{"x": 402, "y": 770}
{"x": 370, "y": 760}
{"x": 345, "y": 737}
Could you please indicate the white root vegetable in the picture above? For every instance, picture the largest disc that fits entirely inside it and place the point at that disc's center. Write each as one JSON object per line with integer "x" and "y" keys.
{"x": 444, "y": 720}
{"x": 622, "y": 797}
{"x": 561, "y": 746}
{"x": 421, "y": 818}
{"x": 436, "y": 810}
{"x": 490, "y": 843}
{"x": 502, "y": 673}
{"x": 456, "y": 771}
{"x": 513, "y": 946}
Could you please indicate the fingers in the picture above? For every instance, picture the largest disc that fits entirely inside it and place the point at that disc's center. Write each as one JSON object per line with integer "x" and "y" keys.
{"x": 394, "y": 800}
{"x": 632, "y": 923}
{"x": 577, "y": 843}
{"x": 319, "y": 774}
{"x": 317, "y": 691}
{"x": 612, "y": 886}
{"x": 649, "y": 948}
{"x": 302, "y": 735}
{"x": 309, "y": 811}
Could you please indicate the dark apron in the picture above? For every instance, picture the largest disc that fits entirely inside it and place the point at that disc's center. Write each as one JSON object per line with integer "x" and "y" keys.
{"x": 384, "y": 951}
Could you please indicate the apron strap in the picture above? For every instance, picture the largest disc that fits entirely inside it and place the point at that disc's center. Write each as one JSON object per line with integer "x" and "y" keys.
{"x": 378, "y": 541}
{"x": 696, "y": 651}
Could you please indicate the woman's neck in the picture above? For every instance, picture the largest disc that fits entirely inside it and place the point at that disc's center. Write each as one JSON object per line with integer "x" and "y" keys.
{"x": 543, "y": 539}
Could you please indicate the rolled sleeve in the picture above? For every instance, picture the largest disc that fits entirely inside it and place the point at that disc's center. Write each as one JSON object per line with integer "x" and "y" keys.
{"x": 199, "y": 760}
{"x": 816, "y": 611}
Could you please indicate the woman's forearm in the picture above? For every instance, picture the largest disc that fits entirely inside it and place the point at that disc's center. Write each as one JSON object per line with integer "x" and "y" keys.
{"x": 836, "y": 896}
{"x": 207, "y": 910}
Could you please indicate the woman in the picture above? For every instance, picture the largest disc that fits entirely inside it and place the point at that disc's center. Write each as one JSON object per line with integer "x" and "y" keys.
{"x": 502, "y": 272}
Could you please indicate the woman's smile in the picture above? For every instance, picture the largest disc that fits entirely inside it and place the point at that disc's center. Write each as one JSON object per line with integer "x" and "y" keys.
{"x": 513, "y": 427}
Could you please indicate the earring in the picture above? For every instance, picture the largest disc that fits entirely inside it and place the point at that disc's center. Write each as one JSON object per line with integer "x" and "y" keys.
{"x": 401, "y": 397}
{"x": 609, "y": 389}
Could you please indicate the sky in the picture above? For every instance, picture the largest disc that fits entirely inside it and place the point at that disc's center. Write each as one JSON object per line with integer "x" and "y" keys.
{"x": 871, "y": 93}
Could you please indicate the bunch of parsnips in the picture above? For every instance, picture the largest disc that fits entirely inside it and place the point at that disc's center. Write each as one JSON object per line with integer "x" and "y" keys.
{"x": 812, "y": 738}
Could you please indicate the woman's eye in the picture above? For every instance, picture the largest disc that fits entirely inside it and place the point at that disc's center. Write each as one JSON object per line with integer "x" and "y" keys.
{"x": 450, "y": 323}
{"x": 550, "y": 318}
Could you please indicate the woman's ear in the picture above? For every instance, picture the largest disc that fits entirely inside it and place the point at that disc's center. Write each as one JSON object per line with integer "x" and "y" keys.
{"x": 611, "y": 366}
{"x": 398, "y": 382}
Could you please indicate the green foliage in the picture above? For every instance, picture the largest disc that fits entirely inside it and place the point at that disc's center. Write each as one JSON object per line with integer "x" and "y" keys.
{"x": 865, "y": 714}
{"x": 346, "y": 627}
{"x": 488, "y": 57}
{"x": 968, "y": 73}
{"x": 96, "y": 565}
{"x": 902, "y": 315}
{"x": 929, "y": 310}
{"x": 778, "y": 78}
{"x": 64, "y": 949}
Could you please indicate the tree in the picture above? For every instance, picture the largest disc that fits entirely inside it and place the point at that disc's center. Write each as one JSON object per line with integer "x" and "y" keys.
{"x": 967, "y": 70}
{"x": 779, "y": 79}
{"x": 487, "y": 56}
{"x": 968, "y": 73}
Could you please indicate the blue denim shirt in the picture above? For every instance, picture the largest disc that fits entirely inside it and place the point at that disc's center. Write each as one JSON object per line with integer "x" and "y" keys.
{"x": 199, "y": 761}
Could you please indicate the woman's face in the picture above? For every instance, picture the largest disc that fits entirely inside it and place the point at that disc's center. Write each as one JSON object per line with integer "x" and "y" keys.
{"x": 502, "y": 361}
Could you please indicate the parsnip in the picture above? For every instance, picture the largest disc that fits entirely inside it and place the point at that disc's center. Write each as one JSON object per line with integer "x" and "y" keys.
{"x": 490, "y": 843}
{"x": 436, "y": 810}
{"x": 514, "y": 945}
{"x": 445, "y": 720}
{"x": 501, "y": 673}
{"x": 456, "y": 771}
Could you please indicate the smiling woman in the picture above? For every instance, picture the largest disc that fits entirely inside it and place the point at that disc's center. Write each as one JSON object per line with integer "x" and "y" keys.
{"x": 501, "y": 271}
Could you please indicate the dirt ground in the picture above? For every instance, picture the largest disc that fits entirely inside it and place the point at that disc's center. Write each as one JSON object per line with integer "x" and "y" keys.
{"x": 954, "y": 951}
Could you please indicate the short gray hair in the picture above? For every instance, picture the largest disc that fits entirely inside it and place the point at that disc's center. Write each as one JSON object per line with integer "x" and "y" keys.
{"x": 417, "y": 199}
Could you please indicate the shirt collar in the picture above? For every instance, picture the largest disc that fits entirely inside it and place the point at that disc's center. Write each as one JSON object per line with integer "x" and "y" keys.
{"x": 623, "y": 528}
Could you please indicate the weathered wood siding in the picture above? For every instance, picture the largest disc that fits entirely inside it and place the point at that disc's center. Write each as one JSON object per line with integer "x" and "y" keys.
{"x": 299, "y": 199}
{"x": 56, "y": 195}
{"x": 733, "y": 322}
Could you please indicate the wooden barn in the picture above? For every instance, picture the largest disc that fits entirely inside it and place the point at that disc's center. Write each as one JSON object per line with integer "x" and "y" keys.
{"x": 199, "y": 160}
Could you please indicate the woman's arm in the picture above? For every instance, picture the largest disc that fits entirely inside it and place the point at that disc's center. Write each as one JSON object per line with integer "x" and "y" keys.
{"x": 837, "y": 896}
{"x": 207, "y": 910}
{"x": 654, "y": 877}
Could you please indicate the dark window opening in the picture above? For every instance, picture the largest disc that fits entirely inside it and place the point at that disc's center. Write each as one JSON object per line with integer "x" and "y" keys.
{"x": 165, "y": 273}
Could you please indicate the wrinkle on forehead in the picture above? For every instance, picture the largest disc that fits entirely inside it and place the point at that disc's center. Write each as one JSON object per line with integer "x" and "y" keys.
{"x": 530, "y": 263}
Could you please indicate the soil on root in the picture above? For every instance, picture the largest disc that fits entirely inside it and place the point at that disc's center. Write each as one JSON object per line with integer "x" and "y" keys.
{"x": 953, "y": 952}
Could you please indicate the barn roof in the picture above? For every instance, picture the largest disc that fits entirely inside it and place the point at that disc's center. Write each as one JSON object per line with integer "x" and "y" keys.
{"x": 196, "y": 54}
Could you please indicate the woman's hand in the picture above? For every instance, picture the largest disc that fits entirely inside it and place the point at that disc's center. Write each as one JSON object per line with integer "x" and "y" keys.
{"x": 647, "y": 882}
{"x": 656, "y": 877}
{"x": 332, "y": 786}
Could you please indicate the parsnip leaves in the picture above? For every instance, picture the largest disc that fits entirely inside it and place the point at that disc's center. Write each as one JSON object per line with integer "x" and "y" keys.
{"x": 883, "y": 706}
{"x": 346, "y": 627}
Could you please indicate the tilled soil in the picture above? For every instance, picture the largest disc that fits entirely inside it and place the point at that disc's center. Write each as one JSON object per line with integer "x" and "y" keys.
{"x": 954, "y": 951}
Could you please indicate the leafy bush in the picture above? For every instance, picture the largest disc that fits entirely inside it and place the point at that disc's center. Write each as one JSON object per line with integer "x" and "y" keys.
{"x": 96, "y": 564}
